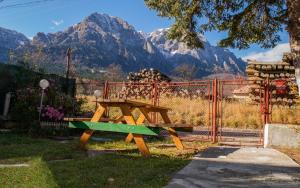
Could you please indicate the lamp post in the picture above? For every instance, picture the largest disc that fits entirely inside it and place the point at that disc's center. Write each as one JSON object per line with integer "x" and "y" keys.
{"x": 297, "y": 75}
{"x": 97, "y": 94}
{"x": 43, "y": 84}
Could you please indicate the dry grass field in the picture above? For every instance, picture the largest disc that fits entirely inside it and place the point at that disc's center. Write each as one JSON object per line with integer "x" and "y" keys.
{"x": 235, "y": 114}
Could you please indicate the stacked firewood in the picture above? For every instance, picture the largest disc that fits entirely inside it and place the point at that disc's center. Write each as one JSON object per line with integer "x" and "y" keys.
{"x": 281, "y": 77}
{"x": 182, "y": 92}
{"x": 136, "y": 91}
{"x": 147, "y": 75}
{"x": 140, "y": 84}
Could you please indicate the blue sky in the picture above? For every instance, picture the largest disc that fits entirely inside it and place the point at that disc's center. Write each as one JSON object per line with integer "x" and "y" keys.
{"x": 56, "y": 15}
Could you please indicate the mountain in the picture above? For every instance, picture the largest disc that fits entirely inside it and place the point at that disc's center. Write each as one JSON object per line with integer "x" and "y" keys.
{"x": 100, "y": 40}
{"x": 10, "y": 40}
{"x": 210, "y": 59}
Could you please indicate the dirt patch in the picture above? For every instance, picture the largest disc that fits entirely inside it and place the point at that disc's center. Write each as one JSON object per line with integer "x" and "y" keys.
{"x": 292, "y": 153}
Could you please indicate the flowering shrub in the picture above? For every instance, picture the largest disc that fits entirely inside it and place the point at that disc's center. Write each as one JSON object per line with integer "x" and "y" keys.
{"x": 56, "y": 105}
{"x": 50, "y": 113}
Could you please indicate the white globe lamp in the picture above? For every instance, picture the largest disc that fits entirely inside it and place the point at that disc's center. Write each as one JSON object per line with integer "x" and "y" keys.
{"x": 97, "y": 93}
{"x": 44, "y": 84}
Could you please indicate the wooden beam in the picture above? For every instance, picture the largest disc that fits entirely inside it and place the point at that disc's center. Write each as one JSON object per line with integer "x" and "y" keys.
{"x": 139, "y": 121}
{"x": 88, "y": 133}
{"x": 172, "y": 131}
{"x": 139, "y": 140}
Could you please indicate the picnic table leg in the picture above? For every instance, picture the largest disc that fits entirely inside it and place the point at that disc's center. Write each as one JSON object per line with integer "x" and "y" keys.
{"x": 88, "y": 133}
{"x": 144, "y": 115}
{"x": 172, "y": 131}
{"x": 139, "y": 121}
{"x": 139, "y": 140}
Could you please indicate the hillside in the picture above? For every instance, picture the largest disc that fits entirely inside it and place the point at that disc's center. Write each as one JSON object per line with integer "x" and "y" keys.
{"x": 10, "y": 40}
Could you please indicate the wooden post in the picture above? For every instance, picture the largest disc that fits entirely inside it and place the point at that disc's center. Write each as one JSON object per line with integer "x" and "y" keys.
{"x": 6, "y": 104}
{"x": 68, "y": 69}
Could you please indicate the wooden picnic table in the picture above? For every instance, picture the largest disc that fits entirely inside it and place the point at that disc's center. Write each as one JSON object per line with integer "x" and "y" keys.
{"x": 135, "y": 127}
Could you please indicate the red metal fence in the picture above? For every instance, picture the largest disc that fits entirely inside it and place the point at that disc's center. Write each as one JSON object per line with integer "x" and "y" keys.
{"x": 219, "y": 110}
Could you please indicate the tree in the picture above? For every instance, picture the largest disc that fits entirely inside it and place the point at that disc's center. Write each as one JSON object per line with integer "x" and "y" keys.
{"x": 245, "y": 21}
{"x": 185, "y": 71}
{"x": 114, "y": 72}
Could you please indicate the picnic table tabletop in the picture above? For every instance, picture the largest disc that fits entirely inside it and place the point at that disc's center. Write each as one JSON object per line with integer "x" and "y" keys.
{"x": 137, "y": 104}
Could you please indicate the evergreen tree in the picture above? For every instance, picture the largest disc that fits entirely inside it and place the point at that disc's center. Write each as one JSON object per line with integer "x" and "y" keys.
{"x": 245, "y": 21}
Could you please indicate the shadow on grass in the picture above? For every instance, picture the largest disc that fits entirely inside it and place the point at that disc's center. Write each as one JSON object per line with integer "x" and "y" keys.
{"x": 48, "y": 167}
{"x": 215, "y": 152}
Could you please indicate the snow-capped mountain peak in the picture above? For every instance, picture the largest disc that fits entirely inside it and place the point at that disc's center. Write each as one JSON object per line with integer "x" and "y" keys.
{"x": 100, "y": 40}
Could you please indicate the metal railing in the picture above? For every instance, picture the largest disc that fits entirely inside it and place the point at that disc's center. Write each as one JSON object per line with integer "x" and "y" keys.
{"x": 215, "y": 108}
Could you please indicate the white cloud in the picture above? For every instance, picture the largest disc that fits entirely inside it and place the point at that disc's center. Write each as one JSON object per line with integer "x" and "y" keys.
{"x": 274, "y": 54}
{"x": 57, "y": 22}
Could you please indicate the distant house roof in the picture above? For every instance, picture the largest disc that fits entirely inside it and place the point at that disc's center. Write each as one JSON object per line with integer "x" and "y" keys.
{"x": 242, "y": 90}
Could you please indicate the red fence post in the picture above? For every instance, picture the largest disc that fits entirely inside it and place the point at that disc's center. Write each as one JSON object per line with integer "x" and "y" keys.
{"x": 155, "y": 100}
{"x": 105, "y": 96}
{"x": 267, "y": 102}
{"x": 105, "y": 90}
{"x": 215, "y": 111}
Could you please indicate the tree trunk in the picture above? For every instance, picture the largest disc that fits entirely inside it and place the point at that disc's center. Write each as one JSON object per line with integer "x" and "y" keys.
{"x": 293, "y": 28}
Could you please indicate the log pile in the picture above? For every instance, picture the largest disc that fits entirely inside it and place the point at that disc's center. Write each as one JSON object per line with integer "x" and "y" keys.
{"x": 147, "y": 75}
{"x": 140, "y": 84}
{"x": 281, "y": 76}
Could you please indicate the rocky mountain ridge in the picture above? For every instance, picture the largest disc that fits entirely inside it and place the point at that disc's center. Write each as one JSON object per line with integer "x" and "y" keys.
{"x": 100, "y": 40}
{"x": 10, "y": 40}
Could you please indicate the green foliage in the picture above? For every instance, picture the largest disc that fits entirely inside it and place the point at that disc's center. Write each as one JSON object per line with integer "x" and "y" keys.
{"x": 25, "y": 109}
{"x": 246, "y": 22}
{"x": 15, "y": 77}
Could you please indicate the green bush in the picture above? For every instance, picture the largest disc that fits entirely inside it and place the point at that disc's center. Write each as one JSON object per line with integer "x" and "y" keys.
{"x": 25, "y": 109}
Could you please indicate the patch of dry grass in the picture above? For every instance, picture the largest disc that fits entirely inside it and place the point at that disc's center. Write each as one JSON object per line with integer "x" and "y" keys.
{"x": 235, "y": 114}
{"x": 292, "y": 153}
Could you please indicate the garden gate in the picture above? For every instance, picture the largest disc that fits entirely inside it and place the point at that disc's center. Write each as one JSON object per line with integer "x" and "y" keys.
{"x": 240, "y": 117}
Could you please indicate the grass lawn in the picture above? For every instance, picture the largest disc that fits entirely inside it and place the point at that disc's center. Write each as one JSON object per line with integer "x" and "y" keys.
{"x": 61, "y": 164}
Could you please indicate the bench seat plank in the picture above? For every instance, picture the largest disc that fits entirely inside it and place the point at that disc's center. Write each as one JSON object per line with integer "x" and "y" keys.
{"x": 85, "y": 119}
{"x": 115, "y": 127}
{"x": 169, "y": 125}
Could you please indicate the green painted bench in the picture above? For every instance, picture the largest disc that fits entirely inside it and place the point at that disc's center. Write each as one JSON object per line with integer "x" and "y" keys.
{"x": 115, "y": 127}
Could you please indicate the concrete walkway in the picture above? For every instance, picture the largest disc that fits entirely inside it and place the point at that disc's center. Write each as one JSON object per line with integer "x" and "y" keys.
{"x": 238, "y": 167}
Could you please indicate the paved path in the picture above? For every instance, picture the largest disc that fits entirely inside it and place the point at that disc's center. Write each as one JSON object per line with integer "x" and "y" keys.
{"x": 13, "y": 165}
{"x": 238, "y": 167}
